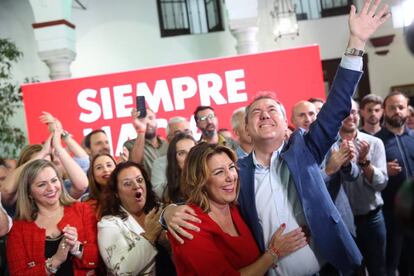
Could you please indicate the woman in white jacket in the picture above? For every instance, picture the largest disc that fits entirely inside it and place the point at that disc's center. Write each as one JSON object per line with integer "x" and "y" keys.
{"x": 5, "y": 221}
{"x": 129, "y": 226}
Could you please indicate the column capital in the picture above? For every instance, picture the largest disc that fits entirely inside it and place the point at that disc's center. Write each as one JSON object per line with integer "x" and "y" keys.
{"x": 58, "y": 61}
{"x": 246, "y": 39}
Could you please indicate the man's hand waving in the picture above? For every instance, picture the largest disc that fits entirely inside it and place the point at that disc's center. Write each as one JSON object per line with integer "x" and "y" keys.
{"x": 363, "y": 24}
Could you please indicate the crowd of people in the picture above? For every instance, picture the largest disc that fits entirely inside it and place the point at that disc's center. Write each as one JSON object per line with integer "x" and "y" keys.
{"x": 324, "y": 195}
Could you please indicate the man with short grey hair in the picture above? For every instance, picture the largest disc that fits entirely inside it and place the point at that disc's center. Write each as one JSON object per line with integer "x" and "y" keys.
{"x": 239, "y": 129}
{"x": 177, "y": 125}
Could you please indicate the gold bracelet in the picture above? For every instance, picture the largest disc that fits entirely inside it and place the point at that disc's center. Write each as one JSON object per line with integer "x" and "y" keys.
{"x": 275, "y": 255}
{"x": 49, "y": 266}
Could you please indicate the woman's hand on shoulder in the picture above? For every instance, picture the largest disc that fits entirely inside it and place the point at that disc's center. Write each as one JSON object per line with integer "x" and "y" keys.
{"x": 180, "y": 218}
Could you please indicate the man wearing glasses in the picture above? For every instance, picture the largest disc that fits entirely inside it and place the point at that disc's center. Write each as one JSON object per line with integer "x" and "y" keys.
{"x": 207, "y": 123}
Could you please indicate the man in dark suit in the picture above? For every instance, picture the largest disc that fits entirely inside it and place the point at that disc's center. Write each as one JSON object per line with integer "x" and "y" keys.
{"x": 281, "y": 182}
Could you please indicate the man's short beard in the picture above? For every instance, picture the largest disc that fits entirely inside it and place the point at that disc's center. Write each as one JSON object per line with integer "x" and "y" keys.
{"x": 348, "y": 129}
{"x": 104, "y": 151}
{"x": 395, "y": 121}
{"x": 149, "y": 135}
{"x": 208, "y": 133}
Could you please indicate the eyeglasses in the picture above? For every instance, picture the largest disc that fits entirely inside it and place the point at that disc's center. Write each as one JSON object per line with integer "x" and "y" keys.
{"x": 210, "y": 116}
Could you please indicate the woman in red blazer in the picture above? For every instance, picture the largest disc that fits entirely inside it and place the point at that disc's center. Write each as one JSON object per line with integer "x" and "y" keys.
{"x": 52, "y": 234}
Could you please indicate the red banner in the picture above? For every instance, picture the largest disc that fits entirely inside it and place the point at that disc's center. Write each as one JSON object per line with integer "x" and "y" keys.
{"x": 105, "y": 101}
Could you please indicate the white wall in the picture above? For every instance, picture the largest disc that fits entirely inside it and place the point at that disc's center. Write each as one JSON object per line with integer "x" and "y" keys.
{"x": 111, "y": 37}
{"x": 116, "y": 37}
{"x": 16, "y": 18}
{"x": 331, "y": 34}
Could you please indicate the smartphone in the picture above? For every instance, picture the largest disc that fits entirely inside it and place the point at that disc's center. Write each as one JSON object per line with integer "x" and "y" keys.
{"x": 141, "y": 108}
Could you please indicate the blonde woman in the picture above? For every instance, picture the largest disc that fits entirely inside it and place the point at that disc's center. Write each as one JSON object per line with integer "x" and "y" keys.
{"x": 51, "y": 233}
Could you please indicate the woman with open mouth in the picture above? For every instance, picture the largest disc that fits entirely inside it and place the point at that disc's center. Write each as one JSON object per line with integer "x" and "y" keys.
{"x": 129, "y": 228}
{"x": 52, "y": 234}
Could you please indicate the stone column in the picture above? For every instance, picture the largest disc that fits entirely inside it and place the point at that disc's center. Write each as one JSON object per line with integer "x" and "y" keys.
{"x": 56, "y": 44}
{"x": 246, "y": 39}
{"x": 55, "y": 35}
{"x": 58, "y": 61}
{"x": 243, "y": 16}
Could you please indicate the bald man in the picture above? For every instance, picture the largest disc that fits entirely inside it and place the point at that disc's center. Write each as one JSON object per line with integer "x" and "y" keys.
{"x": 303, "y": 114}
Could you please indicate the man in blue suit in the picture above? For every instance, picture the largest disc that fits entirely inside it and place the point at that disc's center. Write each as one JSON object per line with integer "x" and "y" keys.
{"x": 288, "y": 186}
{"x": 281, "y": 183}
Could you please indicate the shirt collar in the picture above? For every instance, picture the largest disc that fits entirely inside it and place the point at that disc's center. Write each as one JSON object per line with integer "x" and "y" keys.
{"x": 160, "y": 142}
{"x": 275, "y": 155}
{"x": 221, "y": 140}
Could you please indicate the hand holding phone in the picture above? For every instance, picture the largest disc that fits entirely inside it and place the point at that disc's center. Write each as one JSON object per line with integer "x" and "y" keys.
{"x": 141, "y": 108}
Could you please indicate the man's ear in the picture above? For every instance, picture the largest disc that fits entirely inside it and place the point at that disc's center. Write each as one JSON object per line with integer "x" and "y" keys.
{"x": 286, "y": 125}
{"x": 246, "y": 128}
{"x": 236, "y": 132}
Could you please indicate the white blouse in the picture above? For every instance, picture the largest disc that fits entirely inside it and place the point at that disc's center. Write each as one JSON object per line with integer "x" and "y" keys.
{"x": 123, "y": 249}
{"x": 9, "y": 219}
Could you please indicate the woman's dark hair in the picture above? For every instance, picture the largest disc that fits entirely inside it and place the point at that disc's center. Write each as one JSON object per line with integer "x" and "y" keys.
{"x": 94, "y": 187}
{"x": 173, "y": 191}
{"x": 109, "y": 199}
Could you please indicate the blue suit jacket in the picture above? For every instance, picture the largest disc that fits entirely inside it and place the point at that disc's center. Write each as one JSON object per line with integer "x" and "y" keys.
{"x": 303, "y": 154}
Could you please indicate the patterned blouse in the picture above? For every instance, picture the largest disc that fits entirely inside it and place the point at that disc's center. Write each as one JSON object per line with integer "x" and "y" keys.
{"x": 123, "y": 249}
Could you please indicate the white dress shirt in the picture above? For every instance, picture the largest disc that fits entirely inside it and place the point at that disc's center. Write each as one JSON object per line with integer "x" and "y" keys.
{"x": 277, "y": 202}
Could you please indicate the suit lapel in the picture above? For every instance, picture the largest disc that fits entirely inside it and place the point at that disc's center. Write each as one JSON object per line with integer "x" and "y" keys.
{"x": 247, "y": 199}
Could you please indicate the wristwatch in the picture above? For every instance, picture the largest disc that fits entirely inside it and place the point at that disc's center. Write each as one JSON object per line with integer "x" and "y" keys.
{"x": 65, "y": 134}
{"x": 354, "y": 52}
